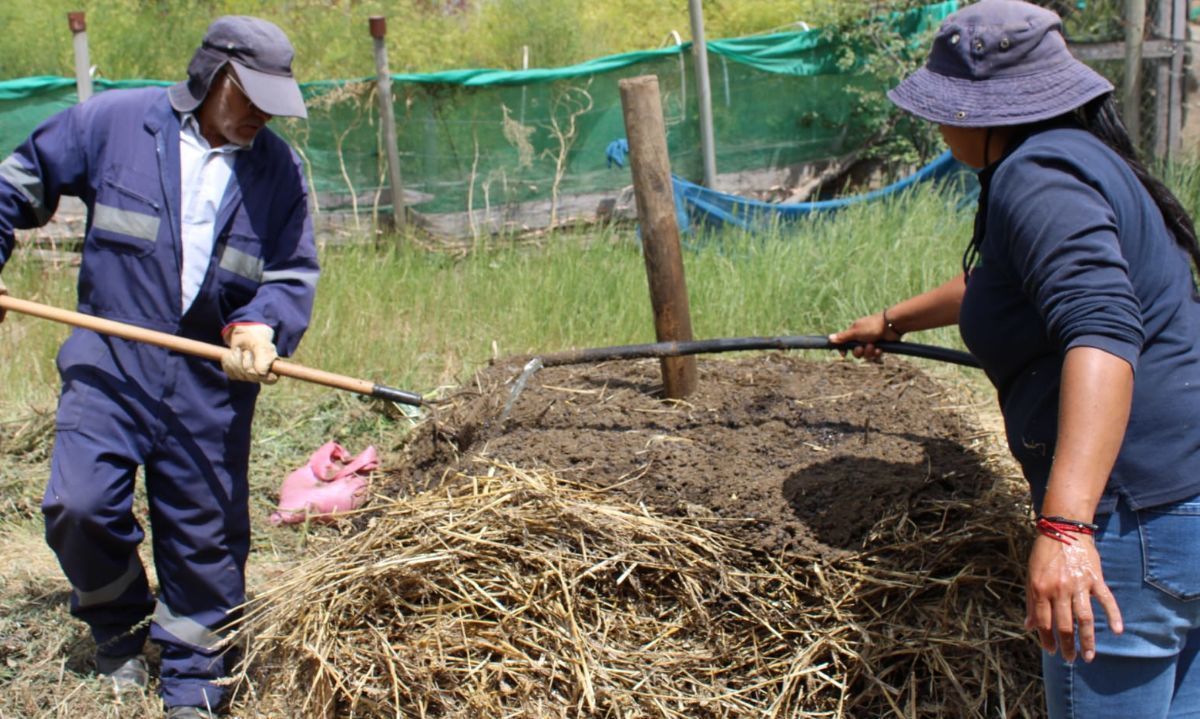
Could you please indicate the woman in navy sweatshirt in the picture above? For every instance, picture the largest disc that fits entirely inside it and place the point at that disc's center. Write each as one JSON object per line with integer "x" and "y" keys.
{"x": 1078, "y": 299}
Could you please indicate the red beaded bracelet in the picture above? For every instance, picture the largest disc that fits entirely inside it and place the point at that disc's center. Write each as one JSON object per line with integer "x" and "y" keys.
{"x": 1061, "y": 528}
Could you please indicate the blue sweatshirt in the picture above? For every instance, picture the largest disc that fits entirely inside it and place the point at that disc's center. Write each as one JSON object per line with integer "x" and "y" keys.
{"x": 1073, "y": 252}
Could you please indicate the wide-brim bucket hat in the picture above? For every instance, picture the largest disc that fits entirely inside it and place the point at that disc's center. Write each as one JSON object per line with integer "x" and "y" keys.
{"x": 998, "y": 63}
{"x": 259, "y": 53}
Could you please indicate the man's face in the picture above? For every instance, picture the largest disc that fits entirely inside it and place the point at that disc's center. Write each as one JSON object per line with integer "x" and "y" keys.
{"x": 227, "y": 115}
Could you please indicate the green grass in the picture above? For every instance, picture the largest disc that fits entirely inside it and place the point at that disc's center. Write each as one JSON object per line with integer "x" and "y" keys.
{"x": 422, "y": 320}
{"x": 332, "y": 41}
{"x": 418, "y": 320}
{"x": 424, "y": 35}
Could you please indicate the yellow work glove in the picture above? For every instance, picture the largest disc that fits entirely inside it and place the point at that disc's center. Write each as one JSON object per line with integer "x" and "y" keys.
{"x": 3, "y": 291}
{"x": 251, "y": 352}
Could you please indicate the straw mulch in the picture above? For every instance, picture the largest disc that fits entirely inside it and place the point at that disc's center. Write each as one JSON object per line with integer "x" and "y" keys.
{"x": 511, "y": 593}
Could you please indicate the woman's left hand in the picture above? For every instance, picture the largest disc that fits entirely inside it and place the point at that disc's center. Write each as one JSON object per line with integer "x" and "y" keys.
{"x": 1063, "y": 578}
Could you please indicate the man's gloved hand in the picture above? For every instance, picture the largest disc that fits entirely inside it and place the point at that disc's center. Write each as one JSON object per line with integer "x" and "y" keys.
{"x": 3, "y": 291}
{"x": 251, "y": 352}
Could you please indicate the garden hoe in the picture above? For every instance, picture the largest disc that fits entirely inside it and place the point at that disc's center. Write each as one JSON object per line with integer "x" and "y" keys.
{"x": 205, "y": 350}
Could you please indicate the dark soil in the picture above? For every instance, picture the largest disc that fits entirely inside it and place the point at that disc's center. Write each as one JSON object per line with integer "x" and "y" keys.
{"x": 784, "y": 453}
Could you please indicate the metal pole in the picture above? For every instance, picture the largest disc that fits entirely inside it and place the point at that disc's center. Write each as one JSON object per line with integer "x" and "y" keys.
{"x": 651, "y": 169}
{"x": 704, "y": 96}
{"x": 524, "y": 83}
{"x": 1131, "y": 95}
{"x": 387, "y": 115}
{"x": 77, "y": 21}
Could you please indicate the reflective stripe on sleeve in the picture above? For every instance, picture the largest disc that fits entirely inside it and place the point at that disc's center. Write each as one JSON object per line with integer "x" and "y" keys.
{"x": 29, "y": 184}
{"x": 126, "y": 222}
{"x": 114, "y": 589}
{"x": 242, "y": 264}
{"x": 185, "y": 629}
{"x": 308, "y": 277}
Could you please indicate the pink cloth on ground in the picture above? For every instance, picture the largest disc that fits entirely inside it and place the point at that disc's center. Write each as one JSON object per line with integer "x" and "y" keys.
{"x": 330, "y": 482}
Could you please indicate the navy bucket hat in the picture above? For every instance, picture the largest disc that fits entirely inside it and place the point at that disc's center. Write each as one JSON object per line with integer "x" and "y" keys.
{"x": 261, "y": 55}
{"x": 997, "y": 63}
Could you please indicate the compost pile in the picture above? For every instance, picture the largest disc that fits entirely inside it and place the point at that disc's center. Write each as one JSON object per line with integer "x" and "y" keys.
{"x": 796, "y": 538}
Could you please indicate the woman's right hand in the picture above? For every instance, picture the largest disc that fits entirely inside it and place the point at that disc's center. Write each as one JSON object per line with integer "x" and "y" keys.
{"x": 866, "y": 330}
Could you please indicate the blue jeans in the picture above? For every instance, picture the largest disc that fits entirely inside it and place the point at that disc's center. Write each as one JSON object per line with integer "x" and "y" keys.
{"x": 1151, "y": 562}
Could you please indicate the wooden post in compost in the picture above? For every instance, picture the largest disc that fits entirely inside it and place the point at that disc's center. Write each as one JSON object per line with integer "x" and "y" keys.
{"x": 387, "y": 116}
{"x": 77, "y": 21}
{"x": 650, "y": 164}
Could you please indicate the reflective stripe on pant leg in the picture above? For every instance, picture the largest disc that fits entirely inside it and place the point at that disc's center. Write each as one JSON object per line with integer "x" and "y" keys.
{"x": 186, "y": 629}
{"x": 192, "y": 660}
{"x": 85, "y": 598}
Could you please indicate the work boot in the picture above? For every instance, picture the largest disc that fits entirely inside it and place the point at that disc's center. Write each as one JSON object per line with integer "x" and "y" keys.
{"x": 189, "y": 713}
{"x": 128, "y": 674}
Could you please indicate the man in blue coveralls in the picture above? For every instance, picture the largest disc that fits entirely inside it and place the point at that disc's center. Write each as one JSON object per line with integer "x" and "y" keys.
{"x": 198, "y": 225}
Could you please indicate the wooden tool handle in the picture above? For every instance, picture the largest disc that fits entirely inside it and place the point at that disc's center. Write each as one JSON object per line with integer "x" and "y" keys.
{"x": 196, "y": 348}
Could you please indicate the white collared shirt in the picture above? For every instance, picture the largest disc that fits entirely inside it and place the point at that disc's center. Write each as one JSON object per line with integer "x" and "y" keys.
{"x": 204, "y": 176}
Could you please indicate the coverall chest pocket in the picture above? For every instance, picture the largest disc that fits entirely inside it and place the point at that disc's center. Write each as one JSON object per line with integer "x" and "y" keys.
{"x": 124, "y": 220}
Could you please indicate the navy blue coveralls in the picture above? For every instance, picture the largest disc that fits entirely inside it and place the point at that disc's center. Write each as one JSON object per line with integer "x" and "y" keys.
{"x": 126, "y": 404}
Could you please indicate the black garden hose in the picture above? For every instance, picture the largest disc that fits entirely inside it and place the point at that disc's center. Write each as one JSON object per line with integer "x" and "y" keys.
{"x": 737, "y": 344}
{"x": 725, "y": 344}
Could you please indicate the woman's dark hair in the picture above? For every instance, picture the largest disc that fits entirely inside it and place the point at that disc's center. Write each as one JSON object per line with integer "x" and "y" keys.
{"x": 1100, "y": 117}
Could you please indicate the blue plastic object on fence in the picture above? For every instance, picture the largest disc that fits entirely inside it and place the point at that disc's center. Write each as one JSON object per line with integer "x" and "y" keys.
{"x": 616, "y": 152}
{"x": 695, "y": 204}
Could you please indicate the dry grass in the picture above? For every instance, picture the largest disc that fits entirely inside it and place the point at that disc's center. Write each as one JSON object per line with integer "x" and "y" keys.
{"x": 520, "y": 594}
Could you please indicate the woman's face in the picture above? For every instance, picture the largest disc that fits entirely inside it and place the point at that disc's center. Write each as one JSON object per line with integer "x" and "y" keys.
{"x": 966, "y": 144}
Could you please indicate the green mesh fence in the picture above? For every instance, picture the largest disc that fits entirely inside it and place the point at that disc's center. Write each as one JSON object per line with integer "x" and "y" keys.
{"x": 485, "y": 149}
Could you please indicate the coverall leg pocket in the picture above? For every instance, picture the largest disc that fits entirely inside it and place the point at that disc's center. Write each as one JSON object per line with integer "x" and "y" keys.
{"x": 77, "y": 360}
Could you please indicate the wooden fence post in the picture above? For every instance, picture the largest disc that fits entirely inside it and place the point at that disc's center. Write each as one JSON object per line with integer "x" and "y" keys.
{"x": 1170, "y": 25}
{"x": 387, "y": 115}
{"x": 650, "y": 164}
{"x": 77, "y": 21}
{"x": 1162, "y": 83}
{"x": 1179, "y": 19}
{"x": 1131, "y": 90}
